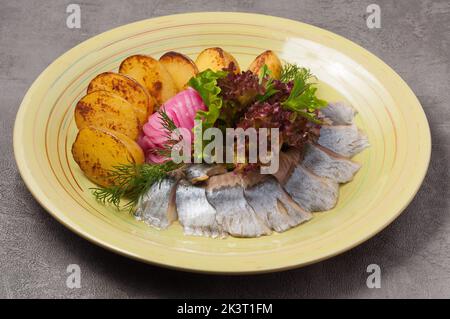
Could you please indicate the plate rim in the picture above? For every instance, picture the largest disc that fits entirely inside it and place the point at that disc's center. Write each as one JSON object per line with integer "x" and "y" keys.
{"x": 46, "y": 203}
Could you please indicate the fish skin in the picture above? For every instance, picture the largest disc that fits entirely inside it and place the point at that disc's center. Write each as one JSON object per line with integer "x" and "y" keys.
{"x": 226, "y": 194}
{"x": 196, "y": 173}
{"x": 311, "y": 192}
{"x": 345, "y": 140}
{"x": 339, "y": 113}
{"x": 325, "y": 163}
{"x": 288, "y": 161}
{"x": 274, "y": 206}
{"x": 195, "y": 213}
{"x": 157, "y": 206}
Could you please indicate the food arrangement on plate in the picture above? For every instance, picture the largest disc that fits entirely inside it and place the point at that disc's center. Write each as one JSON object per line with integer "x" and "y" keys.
{"x": 127, "y": 124}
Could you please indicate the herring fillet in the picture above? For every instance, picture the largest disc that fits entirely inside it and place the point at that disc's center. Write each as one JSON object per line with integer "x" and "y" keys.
{"x": 274, "y": 206}
{"x": 339, "y": 113}
{"x": 196, "y": 173}
{"x": 195, "y": 213}
{"x": 287, "y": 163}
{"x": 311, "y": 192}
{"x": 345, "y": 140}
{"x": 226, "y": 194}
{"x": 325, "y": 163}
{"x": 157, "y": 206}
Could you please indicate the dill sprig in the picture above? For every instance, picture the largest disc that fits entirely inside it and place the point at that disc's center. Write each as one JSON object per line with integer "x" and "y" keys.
{"x": 167, "y": 123}
{"x": 131, "y": 181}
{"x": 291, "y": 71}
{"x": 169, "y": 127}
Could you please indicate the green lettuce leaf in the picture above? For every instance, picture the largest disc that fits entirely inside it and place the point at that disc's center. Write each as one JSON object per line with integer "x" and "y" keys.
{"x": 205, "y": 83}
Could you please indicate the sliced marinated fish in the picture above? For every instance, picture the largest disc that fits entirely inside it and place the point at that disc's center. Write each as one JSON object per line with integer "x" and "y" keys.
{"x": 311, "y": 192}
{"x": 196, "y": 173}
{"x": 157, "y": 206}
{"x": 338, "y": 113}
{"x": 274, "y": 206}
{"x": 288, "y": 161}
{"x": 226, "y": 194}
{"x": 325, "y": 163}
{"x": 346, "y": 140}
{"x": 195, "y": 213}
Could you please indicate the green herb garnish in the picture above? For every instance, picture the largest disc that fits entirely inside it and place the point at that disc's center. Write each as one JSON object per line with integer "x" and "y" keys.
{"x": 302, "y": 99}
{"x": 169, "y": 128}
{"x": 132, "y": 181}
{"x": 265, "y": 78}
{"x": 205, "y": 83}
{"x": 290, "y": 71}
{"x": 167, "y": 123}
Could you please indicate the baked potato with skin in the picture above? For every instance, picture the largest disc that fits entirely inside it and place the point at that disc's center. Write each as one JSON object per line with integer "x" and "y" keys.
{"x": 151, "y": 74}
{"x": 107, "y": 110}
{"x": 97, "y": 151}
{"x": 215, "y": 59}
{"x": 270, "y": 59}
{"x": 128, "y": 88}
{"x": 180, "y": 67}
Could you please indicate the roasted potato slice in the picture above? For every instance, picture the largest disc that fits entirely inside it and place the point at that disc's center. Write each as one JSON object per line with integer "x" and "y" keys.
{"x": 128, "y": 88}
{"x": 270, "y": 59}
{"x": 215, "y": 59}
{"x": 107, "y": 110}
{"x": 180, "y": 67}
{"x": 98, "y": 150}
{"x": 151, "y": 74}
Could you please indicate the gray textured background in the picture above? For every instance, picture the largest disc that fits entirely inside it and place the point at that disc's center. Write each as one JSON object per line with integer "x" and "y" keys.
{"x": 413, "y": 252}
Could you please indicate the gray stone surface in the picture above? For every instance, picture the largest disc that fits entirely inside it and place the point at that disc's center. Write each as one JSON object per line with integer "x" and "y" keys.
{"x": 413, "y": 252}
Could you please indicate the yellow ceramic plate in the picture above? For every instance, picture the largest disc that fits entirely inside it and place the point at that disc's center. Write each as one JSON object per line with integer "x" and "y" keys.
{"x": 393, "y": 167}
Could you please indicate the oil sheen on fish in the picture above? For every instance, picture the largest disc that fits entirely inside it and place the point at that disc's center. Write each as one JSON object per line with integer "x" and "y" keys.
{"x": 346, "y": 140}
{"x": 325, "y": 163}
{"x": 195, "y": 213}
{"x": 157, "y": 206}
{"x": 274, "y": 206}
{"x": 338, "y": 113}
{"x": 226, "y": 194}
{"x": 311, "y": 192}
{"x": 196, "y": 173}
